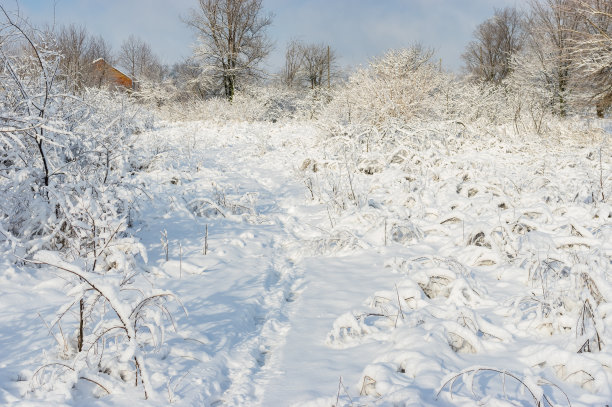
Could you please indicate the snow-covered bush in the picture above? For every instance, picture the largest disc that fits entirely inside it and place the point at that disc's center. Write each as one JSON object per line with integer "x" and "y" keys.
{"x": 401, "y": 85}
{"x": 251, "y": 103}
{"x": 66, "y": 201}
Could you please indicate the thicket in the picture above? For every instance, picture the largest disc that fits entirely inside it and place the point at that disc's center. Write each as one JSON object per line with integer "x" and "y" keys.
{"x": 67, "y": 203}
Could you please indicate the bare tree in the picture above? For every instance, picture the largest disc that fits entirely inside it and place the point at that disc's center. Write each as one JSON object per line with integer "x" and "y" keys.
{"x": 293, "y": 63}
{"x": 72, "y": 43}
{"x": 592, "y": 51}
{"x": 137, "y": 57}
{"x": 100, "y": 48}
{"x": 313, "y": 64}
{"x": 488, "y": 56}
{"x": 79, "y": 50}
{"x": 232, "y": 39}
{"x": 553, "y": 24}
{"x": 317, "y": 60}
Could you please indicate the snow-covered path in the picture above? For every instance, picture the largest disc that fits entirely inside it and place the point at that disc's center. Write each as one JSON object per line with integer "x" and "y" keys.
{"x": 257, "y": 319}
{"x": 239, "y": 293}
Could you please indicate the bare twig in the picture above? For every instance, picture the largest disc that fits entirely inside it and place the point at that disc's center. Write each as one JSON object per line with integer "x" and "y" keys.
{"x": 475, "y": 370}
{"x": 399, "y": 303}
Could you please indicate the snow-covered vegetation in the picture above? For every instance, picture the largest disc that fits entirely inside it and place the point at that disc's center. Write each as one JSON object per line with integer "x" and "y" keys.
{"x": 407, "y": 236}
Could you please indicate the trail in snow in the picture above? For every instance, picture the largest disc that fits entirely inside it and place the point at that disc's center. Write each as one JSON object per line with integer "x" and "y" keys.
{"x": 239, "y": 293}
{"x": 257, "y": 323}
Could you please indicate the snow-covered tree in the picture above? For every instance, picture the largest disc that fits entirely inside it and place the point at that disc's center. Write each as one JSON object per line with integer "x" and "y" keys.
{"x": 552, "y": 27}
{"x": 231, "y": 40}
{"x": 400, "y": 85}
{"x": 592, "y": 50}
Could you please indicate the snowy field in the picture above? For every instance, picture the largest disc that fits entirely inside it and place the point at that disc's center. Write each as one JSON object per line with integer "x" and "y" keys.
{"x": 431, "y": 268}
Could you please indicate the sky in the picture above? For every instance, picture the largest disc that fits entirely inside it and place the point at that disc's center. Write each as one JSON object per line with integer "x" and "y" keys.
{"x": 356, "y": 29}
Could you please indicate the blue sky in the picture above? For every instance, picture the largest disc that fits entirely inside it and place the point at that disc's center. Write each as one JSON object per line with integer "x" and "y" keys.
{"x": 356, "y": 29}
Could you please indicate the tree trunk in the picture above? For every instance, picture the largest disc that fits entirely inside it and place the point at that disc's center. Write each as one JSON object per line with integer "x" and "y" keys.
{"x": 39, "y": 142}
{"x": 231, "y": 87}
{"x": 229, "y": 83}
{"x": 80, "y": 338}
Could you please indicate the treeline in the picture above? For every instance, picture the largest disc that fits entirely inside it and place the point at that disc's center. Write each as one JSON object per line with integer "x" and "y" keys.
{"x": 556, "y": 52}
{"x": 562, "y": 48}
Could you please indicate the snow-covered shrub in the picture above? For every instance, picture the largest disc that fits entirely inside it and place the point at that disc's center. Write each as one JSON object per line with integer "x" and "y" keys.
{"x": 82, "y": 145}
{"x": 156, "y": 93}
{"x": 120, "y": 318}
{"x": 66, "y": 202}
{"x": 53, "y": 143}
{"x": 251, "y": 103}
{"x": 406, "y": 87}
{"x": 401, "y": 85}
{"x": 526, "y": 212}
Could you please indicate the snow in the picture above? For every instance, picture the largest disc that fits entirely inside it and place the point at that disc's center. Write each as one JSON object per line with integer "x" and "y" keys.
{"x": 342, "y": 286}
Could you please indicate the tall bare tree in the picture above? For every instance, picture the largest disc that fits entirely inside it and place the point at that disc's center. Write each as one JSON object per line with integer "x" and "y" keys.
{"x": 73, "y": 43}
{"x": 293, "y": 63}
{"x": 78, "y": 50}
{"x": 552, "y": 29}
{"x": 137, "y": 57}
{"x": 592, "y": 51}
{"x": 488, "y": 56}
{"x": 100, "y": 48}
{"x": 308, "y": 63}
{"x": 231, "y": 39}
{"x": 317, "y": 60}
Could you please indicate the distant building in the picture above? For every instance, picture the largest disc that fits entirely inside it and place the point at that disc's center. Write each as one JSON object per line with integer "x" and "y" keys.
{"x": 107, "y": 75}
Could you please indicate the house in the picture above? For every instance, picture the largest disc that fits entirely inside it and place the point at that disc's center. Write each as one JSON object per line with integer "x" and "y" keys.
{"x": 107, "y": 75}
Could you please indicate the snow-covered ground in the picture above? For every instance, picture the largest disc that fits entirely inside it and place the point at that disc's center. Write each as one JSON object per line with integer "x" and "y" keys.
{"x": 342, "y": 274}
